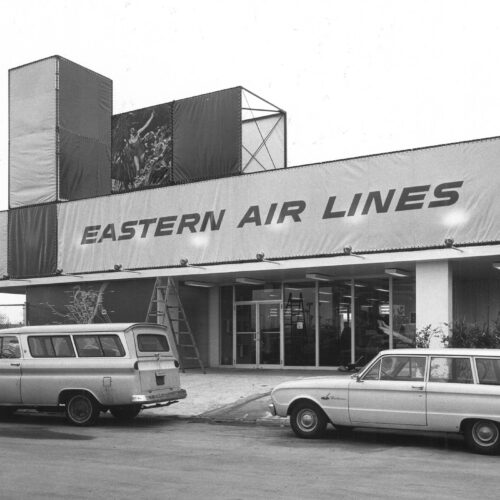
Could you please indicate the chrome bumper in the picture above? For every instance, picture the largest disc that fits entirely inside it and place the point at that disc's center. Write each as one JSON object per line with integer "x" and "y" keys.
{"x": 148, "y": 399}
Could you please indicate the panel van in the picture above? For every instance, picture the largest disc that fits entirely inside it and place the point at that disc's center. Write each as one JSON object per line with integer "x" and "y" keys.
{"x": 87, "y": 369}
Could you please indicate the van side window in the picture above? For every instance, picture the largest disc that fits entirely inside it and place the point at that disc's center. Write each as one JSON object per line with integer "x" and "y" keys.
{"x": 98, "y": 346}
{"x": 51, "y": 346}
{"x": 149, "y": 342}
{"x": 488, "y": 370}
{"x": 9, "y": 347}
{"x": 451, "y": 370}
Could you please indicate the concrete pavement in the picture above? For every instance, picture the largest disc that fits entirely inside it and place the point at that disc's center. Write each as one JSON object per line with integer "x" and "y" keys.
{"x": 233, "y": 395}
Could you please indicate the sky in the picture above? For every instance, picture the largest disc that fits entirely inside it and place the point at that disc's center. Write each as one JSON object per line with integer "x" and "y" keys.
{"x": 355, "y": 77}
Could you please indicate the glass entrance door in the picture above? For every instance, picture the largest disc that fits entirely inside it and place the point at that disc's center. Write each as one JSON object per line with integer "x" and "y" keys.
{"x": 258, "y": 334}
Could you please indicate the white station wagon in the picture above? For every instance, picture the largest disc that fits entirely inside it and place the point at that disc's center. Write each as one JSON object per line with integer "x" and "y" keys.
{"x": 443, "y": 390}
{"x": 86, "y": 369}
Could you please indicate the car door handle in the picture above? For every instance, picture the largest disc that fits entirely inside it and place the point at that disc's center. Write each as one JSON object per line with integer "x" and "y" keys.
{"x": 15, "y": 364}
{"x": 418, "y": 387}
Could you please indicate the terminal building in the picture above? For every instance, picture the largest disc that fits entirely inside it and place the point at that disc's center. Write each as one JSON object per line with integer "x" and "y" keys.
{"x": 190, "y": 204}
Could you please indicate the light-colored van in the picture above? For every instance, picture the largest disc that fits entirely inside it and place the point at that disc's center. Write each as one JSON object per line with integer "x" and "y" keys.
{"x": 86, "y": 369}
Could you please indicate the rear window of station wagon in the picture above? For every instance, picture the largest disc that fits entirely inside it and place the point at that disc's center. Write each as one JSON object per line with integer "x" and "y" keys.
{"x": 87, "y": 346}
{"x": 149, "y": 342}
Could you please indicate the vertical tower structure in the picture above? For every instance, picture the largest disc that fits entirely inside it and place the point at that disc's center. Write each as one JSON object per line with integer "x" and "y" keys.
{"x": 59, "y": 132}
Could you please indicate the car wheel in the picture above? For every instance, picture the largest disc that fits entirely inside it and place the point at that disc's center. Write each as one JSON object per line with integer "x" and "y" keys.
{"x": 483, "y": 436}
{"x": 125, "y": 412}
{"x": 82, "y": 410}
{"x": 308, "y": 420}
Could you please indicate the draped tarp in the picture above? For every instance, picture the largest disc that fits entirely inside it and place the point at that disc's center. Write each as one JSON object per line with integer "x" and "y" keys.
{"x": 59, "y": 132}
{"x": 95, "y": 302}
{"x": 207, "y": 136}
{"x": 32, "y": 241}
{"x": 395, "y": 201}
{"x": 32, "y": 133}
{"x": 85, "y": 108}
{"x": 4, "y": 218}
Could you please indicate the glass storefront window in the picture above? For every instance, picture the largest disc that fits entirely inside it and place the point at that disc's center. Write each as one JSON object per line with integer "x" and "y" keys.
{"x": 299, "y": 324}
{"x": 269, "y": 291}
{"x": 403, "y": 312}
{"x": 334, "y": 308}
{"x": 371, "y": 318}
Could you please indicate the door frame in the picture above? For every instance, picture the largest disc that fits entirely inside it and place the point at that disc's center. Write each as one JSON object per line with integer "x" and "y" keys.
{"x": 257, "y": 304}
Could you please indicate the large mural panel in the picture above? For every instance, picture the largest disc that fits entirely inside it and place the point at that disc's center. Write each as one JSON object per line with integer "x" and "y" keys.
{"x": 142, "y": 148}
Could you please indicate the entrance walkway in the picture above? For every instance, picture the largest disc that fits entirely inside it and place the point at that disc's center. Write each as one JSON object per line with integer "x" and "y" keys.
{"x": 230, "y": 394}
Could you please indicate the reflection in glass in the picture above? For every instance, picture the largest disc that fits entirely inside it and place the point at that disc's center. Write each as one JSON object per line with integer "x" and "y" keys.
{"x": 403, "y": 312}
{"x": 245, "y": 334}
{"x": 334, "y": 324}
{"x": 269, "y": 291}
{"x": 299, "y": 324}
{"x": 371, "y": 318}
{"x": 269, "y": 323}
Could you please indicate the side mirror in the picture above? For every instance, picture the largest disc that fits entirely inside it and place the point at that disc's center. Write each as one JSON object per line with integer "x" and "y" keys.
{"x": 356, "y": 377}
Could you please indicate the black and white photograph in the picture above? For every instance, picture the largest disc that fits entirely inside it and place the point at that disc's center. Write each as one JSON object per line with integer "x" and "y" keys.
{"x": 249, "y": 250}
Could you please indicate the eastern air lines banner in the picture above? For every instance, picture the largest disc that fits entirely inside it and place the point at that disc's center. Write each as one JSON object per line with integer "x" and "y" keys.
{"x": 387, "y": 202}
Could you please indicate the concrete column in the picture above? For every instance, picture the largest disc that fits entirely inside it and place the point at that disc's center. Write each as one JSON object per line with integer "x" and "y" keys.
{"x": 213, "y": 327}
{"x": 434, "y": 295}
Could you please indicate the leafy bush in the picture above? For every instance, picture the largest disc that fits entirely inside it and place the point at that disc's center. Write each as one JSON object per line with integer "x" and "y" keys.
{"x": 423, "y": 336}
{"x": 476, "y": 335}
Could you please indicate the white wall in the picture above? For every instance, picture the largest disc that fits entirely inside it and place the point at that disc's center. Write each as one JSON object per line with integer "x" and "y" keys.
{"x": 434, "y": 294}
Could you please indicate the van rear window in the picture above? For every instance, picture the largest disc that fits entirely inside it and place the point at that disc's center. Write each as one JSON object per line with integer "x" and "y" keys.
{"x": 51, "y": 346}
{"x": 149, "y": 342}
{"x": 98, "y": 346}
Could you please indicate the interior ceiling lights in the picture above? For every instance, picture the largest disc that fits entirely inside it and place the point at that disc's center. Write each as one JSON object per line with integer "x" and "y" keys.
{"x": 397, "y": 273}
{"x": 319, "y": 277}
{"x": 249, "y": 281}
{"x": 201, "y": 284}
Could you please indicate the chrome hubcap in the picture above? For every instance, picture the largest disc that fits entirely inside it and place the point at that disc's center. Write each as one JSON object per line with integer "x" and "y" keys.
{"x": 307, "y": 420}
{"x": 485, "y": 433}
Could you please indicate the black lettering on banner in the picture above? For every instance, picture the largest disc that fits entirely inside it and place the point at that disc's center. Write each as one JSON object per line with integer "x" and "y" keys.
{"x": 291, "y": 209}
{"x": 252, "y": 216}
{"x": 270, "y": 214}
{"x": 214, "y": 224}
{"x": 188, "y": 221}
{"x": 108, "y": 233}
{"x": 328, "y": 214}
{"x": 90, "y": 235}
{"x": 165, "y": 225}
{"x": 146, "y": 223}
{"x": 128, "y": 230}
{"x": 446, "y": 194}
{"x": 354, "y": 204}
{"x": 375, "y": 198}
{"x": 412, "y": 198}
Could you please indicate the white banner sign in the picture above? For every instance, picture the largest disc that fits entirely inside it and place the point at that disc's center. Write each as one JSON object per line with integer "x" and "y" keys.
{"x": 387, "y": 202}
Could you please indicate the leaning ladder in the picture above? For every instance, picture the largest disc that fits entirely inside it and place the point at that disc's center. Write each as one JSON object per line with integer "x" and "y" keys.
{"x": 165, "y": 308}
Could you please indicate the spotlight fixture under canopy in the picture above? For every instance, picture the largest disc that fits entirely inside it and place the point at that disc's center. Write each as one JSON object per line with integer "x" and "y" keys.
{"x": 396, "y": 273}
{"x": 496, "y": 265}
{"x": 349, "y": 251}
{"x": 450, "y": 243}
{"x": 319, "y": 277}
{"x": 249, "y": 281}
{"x": 184, "y": 262}
{"x": 200, "y": 284}
{"x": 261, "y": 257}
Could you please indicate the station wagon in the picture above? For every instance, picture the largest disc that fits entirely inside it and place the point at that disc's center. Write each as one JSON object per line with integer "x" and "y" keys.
{"x": 441, "y": 390}
{"x": 87, "y": 369}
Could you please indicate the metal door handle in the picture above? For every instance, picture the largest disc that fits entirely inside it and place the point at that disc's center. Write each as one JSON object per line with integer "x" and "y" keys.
{"x": 418, "y": 387}
{"x": 15, "y": 364}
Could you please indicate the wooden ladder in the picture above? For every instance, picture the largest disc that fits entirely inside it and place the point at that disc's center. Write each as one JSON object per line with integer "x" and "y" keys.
{"x": 165, "y": 308}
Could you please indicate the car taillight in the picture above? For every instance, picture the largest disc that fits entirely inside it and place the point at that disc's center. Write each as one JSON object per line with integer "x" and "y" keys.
{"x": 176, "y": 363}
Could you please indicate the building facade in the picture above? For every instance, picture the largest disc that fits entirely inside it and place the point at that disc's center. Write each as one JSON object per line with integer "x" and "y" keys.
{"x": 310, "y": 266}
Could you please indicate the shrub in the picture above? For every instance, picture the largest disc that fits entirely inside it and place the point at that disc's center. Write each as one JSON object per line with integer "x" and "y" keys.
{"x": 423, "y": 336}
{"x": 476, "y": 335}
